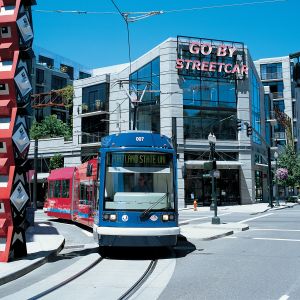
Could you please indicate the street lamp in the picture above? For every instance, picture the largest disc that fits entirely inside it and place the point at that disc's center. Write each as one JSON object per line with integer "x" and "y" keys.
{"x": 212, "y": 143}
{"x": 276, "y": 180}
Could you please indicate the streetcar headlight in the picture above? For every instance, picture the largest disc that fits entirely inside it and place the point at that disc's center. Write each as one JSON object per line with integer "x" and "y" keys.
{"x": 113, "y": 217}
{"x": 165, "y": 218}
{"x": 171, "y": 217}
{"x": 106, "y": 217}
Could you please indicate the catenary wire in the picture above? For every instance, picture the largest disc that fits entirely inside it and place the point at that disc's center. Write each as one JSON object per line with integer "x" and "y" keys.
{"x": 159, "y": 11}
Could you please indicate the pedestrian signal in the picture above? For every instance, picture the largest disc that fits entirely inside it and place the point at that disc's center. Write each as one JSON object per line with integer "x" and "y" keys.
{"x": 239, "y": 124}
{"x": 249, "y": 130}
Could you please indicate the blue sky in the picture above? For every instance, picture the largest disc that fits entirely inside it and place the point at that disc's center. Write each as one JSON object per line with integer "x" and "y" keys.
{"x": 270, "y": 29}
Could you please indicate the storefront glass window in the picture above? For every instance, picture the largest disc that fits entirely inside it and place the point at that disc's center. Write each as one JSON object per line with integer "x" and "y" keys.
{"x": 255, "y": 105}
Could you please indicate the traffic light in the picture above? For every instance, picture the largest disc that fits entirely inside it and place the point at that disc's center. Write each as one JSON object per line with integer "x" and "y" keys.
{"x": 249, "y": 130}
{"x": 239, "y": 124}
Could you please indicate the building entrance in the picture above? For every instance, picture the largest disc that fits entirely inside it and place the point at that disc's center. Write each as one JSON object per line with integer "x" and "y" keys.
{"x": 198, "y": 186}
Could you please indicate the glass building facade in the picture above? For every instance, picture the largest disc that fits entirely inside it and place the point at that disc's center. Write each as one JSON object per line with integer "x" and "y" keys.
{"x": 148, "y": 114}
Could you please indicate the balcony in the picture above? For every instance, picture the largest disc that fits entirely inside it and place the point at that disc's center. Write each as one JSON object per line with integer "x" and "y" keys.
{"x": 277, "y": 95}
{"x": 90, "y": 109}
{"x": 268, "y": 76}
{"x": 279, "y": 135}
{"x": 91, "y": 138}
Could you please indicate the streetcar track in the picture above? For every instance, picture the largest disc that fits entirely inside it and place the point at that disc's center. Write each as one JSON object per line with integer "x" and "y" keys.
{"x": 131, "y": 291}
{"x": 66, "y": 281}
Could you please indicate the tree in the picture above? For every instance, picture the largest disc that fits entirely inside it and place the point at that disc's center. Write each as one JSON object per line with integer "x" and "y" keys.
{"x": 67, "y": 94}
{"x": 56, "y": 161}
{"x": 290, "y": 160}
{"x": 50, "y": 127}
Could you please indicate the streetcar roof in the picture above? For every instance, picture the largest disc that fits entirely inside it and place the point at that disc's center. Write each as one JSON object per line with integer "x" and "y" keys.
{"x": 137, "y": 138}
{"x": 62, "y": 173}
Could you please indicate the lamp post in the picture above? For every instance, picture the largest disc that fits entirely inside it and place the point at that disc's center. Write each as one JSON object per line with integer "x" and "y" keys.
{"x": 212, "y": 143}
{"x": 276, "y": 180}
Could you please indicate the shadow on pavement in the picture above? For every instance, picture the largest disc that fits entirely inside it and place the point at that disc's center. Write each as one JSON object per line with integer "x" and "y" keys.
{"x": 183, "y": 248}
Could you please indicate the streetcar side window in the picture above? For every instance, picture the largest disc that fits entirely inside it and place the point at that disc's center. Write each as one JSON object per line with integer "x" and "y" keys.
{"x": 57, "y": 189}
{"x": 65, "y": 189}
{"x": 51, "y": 189}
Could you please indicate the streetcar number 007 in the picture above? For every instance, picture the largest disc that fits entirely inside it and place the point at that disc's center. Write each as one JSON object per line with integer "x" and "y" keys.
{"x": 139, "y": 138}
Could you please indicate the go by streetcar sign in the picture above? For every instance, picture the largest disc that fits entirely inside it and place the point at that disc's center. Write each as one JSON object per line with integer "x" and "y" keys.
{"x": 211, "y": 58}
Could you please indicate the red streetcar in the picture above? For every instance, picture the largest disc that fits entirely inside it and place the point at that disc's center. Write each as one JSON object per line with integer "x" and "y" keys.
{"x": 72, "y": 193}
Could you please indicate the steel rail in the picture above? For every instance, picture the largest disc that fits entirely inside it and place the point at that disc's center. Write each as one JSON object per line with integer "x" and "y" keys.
{"x": 66, "y": 281}
{"x": 140, "y": 282}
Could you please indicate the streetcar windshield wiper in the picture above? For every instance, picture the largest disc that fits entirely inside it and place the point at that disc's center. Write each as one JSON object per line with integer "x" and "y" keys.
{"x": 145, "y": 214}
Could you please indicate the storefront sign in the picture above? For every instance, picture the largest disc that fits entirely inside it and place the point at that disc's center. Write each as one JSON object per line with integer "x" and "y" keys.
{"x": 198, "y": 57}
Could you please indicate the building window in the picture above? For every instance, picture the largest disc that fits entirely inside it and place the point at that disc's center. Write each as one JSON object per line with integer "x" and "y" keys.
{"x": 39, "y": 89}
{"x": 94, "y": 128}
{"x": 148, "y": 114}
{"x": 83, "y": 75}
{"x": 276, "y": 88}
{"x": 267, "y": 103}
{"x": 279, "y": 104}
{"x": 46, "y": 61}
{"x": 199, "y": 123}
{"x": 68, "y": 70}
{"x": 271, "y": 71}
{"x": 255, "y": 106}
{"x": 209, "y": 92}
{"x": 40, "y": 76}
{"x": 95, "y": 98}
{"x": 58, "y": 82}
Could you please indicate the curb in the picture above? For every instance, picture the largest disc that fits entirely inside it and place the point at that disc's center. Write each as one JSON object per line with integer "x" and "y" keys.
{"x": 275, "y": 208}
{"x": 35, "y": 265}
{"x": 217, "y": 236}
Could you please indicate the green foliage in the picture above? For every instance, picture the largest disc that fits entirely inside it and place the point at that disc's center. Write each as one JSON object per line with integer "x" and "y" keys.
{"x": 56, "y": 161}
{"x": 291, "y": 161}
{"x": 67, "y": 94}
{"x": 50, "y": 127}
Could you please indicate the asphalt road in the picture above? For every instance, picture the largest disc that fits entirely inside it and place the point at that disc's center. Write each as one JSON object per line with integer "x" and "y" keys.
{"x": 261, "y": 263}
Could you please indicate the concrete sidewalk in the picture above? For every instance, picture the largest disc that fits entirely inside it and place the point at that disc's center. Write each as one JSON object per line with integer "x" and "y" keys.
{"x": 43, "y": 241}
{"x": 208, "y": 231}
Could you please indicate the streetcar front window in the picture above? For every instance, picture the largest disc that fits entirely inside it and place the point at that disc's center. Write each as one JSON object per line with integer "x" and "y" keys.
{"x": 136, "y": 181}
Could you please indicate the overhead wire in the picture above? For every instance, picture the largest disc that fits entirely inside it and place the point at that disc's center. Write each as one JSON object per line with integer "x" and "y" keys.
{"x": 145, "y": 14}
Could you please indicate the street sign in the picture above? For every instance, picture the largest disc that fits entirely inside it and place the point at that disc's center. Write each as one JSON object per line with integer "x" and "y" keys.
{"x": 217, "y": 174}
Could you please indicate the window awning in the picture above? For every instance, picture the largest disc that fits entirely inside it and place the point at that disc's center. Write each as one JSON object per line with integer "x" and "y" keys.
{"x": 221, "y": 164}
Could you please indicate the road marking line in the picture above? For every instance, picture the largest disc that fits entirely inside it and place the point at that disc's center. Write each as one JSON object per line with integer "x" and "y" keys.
{"x": 44, "y": 225}
{"x": 274, "y": 239}
{"x": 275, "y": 229}
{"x": 194, "y": 219}
{"x": 230, "y": 237}
{"x": 89, "y": 234}
{"x": 284, "y": 297}
{"x": 244, "y": 221}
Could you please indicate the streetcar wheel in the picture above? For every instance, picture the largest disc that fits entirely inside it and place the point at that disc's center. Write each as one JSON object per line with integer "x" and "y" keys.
{"x": 104, "y": 251}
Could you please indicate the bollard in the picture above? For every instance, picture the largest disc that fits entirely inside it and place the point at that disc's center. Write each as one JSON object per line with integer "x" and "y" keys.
{"x": 195, "y": 205}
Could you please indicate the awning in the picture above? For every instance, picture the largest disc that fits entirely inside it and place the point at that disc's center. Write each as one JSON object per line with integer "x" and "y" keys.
{"x": 221, "y": 164}
{"x": 41, "y": 177}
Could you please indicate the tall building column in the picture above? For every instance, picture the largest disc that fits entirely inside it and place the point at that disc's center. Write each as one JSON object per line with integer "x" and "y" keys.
{"x": 15, "y": 90}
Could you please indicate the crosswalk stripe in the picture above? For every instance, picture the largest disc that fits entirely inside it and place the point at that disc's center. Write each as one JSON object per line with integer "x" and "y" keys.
{"x": 275, "y": 229}
{"x": 274, "y": 239}
{"x": 247, "y": 220}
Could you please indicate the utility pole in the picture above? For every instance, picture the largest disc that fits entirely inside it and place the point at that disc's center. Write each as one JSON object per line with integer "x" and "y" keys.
{"x": 35, "y": 167}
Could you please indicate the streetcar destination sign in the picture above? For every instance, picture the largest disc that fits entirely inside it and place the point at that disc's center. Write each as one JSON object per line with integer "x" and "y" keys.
{"x": 138, "y": 159}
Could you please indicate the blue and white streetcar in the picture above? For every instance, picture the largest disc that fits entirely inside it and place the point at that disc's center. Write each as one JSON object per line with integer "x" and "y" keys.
{"x": 137, "y": 191}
